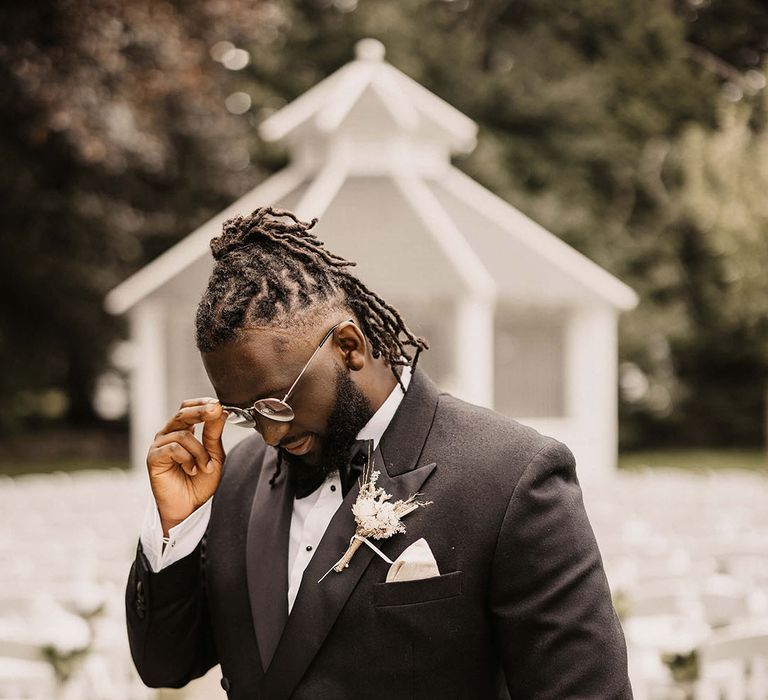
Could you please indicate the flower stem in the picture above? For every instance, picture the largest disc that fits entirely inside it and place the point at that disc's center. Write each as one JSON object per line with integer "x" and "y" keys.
{"x": 354, "y": 545}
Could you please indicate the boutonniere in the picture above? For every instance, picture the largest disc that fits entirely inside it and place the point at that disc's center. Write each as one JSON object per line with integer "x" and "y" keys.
{"x": 376, "y": 516}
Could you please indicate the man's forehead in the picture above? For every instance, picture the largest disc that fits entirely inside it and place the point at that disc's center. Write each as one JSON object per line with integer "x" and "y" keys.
{"x": 278, "y": 340}
{"x": 260, "y": 348}
{"x": 255, "y": 364}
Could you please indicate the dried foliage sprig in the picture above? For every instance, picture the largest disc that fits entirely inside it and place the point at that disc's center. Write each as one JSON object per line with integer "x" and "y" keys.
{"x": 376, "y": 515}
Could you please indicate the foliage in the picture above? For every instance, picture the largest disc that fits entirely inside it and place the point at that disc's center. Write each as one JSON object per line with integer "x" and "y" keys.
{"x": 634, "y": 130}
{"x": 115, "y": 144}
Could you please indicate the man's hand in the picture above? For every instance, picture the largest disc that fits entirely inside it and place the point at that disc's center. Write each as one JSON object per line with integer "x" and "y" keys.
{"x": 184, "y": 472}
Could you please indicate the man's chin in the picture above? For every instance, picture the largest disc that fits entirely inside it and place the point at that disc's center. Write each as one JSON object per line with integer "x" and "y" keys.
{"x": 330, "y": 452}
{"x": 324, "y": 455}
{"x": 311, "y": 458}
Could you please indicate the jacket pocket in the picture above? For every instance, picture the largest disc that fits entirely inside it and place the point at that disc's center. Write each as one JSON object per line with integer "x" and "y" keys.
{"x": 421, "y": 591}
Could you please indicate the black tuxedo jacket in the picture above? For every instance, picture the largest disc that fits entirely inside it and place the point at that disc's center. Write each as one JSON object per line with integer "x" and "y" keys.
{"x": 521, "y": 608}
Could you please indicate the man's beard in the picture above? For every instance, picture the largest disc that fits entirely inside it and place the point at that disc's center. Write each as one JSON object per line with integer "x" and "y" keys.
{"x": 351, "y": 411}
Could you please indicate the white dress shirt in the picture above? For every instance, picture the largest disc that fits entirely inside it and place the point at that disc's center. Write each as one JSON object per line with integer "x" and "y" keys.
{"x": 309, "y": 520}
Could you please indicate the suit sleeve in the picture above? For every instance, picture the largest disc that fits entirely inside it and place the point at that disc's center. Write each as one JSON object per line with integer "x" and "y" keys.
{"x": 169, "y": 628}
{"x": 557, "y": 632}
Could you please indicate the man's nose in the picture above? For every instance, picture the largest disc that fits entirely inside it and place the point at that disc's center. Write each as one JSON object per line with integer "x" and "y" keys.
{"x": 273, "y": 431}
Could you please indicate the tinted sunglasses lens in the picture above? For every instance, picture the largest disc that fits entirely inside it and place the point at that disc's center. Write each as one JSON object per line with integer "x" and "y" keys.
{"x": 274, "y": 409}
{"x": 237, "y": 416}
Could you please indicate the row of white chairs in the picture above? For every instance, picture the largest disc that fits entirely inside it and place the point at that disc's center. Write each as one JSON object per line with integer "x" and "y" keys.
{"x": 72, "y": 537}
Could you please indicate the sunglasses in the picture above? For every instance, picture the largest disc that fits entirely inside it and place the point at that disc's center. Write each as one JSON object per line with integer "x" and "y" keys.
{"x": 270, "y": 408}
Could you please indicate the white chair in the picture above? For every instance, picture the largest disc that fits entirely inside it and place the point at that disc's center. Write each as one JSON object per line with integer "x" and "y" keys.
{"x": 23, "y": 678}
{"x": 674, "y": 596}
{"x": 721, "y": 609}
{"x": 734, "y": 663}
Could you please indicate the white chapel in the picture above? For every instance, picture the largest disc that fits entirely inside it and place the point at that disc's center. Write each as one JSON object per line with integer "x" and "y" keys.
{"x": 516, "y": 319}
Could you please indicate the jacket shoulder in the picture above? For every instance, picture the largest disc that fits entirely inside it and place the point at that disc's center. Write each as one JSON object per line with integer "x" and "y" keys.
{"x": 491, "y": 432}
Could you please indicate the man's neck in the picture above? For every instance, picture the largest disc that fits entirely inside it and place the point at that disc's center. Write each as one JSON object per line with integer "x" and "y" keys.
{"x": 380, "y": 384}
{"x": 374, "y": 429}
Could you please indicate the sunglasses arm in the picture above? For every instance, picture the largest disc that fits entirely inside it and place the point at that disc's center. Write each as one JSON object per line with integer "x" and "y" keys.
{"x": 293, "y": 386}
{"x": 309, "y": 361}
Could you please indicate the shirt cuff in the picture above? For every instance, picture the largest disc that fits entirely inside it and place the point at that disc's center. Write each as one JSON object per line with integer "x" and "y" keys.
{"x": 182, "y": 539}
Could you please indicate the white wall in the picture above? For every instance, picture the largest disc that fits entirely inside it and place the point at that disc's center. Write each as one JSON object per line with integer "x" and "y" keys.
{"x": 168, "y": 369}
{"x": 591, "y": 429}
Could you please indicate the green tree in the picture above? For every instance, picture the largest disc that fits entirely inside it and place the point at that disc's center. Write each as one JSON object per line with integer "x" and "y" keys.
{"x": 723, "y": 206}
{"x": 116, "y": 143}
{"x": 127, "y": 125}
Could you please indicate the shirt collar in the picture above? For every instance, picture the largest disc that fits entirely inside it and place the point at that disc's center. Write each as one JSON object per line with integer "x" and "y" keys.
{"x": 375, "y": 427}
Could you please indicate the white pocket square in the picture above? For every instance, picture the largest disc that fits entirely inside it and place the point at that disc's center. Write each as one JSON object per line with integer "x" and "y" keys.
{"x": 416, "y": 562}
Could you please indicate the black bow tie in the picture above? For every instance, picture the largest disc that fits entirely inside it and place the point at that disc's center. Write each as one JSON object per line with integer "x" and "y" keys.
{"x": 307, "y": 480}
{"x": 350, "y": 472}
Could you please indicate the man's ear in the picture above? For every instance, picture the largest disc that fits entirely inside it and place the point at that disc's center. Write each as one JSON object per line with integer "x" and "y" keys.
{"x": 351, "y": 341}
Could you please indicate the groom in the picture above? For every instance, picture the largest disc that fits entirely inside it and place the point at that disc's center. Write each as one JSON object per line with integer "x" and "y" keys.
{"x": 497, "y": 588}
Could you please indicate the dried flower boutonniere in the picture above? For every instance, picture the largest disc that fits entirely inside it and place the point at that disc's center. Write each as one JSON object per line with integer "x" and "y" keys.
{"x": 376, "y": 516}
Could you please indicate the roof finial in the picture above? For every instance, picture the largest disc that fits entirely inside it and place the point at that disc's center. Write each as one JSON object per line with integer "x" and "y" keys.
{"x": 369, "y": 50}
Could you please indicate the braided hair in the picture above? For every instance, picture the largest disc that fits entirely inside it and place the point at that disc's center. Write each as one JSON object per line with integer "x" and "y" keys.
{"x": 271, "y": 269}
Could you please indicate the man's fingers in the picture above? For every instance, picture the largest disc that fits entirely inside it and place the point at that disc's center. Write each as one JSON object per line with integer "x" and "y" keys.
{"x": 173, "y": 453}
{"x": 197, "y": 402}
{"x": 189, "y": 416}
{"x": 189, "y": 443}
{"x": 211, "y": 438}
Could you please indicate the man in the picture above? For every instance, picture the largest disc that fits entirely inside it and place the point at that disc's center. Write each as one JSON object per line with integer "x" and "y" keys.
{"x": 509, "y": 598}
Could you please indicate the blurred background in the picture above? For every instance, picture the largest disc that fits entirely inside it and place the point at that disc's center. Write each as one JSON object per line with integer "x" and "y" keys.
{"x": 635, "y": 132}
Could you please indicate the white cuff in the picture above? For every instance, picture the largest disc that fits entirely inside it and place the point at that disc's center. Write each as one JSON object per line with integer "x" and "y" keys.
{"x": 183, "y": 538}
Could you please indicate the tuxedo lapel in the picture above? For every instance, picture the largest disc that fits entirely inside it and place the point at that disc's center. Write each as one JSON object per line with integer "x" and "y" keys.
{"x": 318, "y": 605}
{"x": 403, "y": 441}
{"x": 267, "y": 558}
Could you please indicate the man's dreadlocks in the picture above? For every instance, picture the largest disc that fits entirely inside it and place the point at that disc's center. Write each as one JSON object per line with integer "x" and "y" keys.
{"x": 270, "y": 269}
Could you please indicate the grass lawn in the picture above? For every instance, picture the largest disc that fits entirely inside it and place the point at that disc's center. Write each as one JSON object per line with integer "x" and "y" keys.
{"x": 19, "y": 467}
{"x": 688, "y": 459}
{"x": 697, "y": 459}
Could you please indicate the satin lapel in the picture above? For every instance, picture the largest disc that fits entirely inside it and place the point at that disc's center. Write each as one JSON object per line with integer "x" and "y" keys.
{"x": 318, "y": 605}
{"x": 403, "y": 442}
{"x": 267, "y": 558}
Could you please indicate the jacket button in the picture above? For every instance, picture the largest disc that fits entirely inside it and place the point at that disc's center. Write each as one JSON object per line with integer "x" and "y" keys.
{"x": 225, "y": 684}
